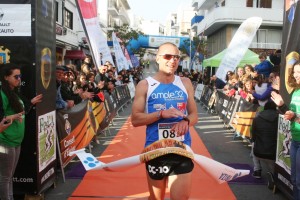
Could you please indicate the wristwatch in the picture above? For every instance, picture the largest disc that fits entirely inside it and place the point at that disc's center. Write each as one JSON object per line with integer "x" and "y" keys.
{"x": 186, "y": 119}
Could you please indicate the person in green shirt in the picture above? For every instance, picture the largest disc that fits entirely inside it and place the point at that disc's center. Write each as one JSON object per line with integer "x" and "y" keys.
{"x": 12, "y": 126}
{"x": 292, "y": 113}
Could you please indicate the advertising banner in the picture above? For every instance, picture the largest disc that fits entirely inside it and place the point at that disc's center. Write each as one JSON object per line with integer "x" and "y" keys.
{"x": 238, "y": 46}
{"x": 96, "y": 40}
{"x": 27, "y": 31}
{"x": 76, "y": 127}
{"x": 282, "y": 174}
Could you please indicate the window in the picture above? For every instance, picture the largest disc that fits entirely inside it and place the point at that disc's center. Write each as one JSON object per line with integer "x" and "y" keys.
{"x": 264, "y": 3}
{"x": 68, "y": 19}
{"x": 249, "y": 3}
{"x": 56, "y": 10}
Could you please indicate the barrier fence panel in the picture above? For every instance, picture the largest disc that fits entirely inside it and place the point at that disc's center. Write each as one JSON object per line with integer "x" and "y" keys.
{"x": 131, "y": 89}
{"x": 110, "y": 110}
{"x": 198, "y": 91}
{"x": 231, "y": 109}
{"x": 222, "y": 102}
{"x": 76, "y": 127}
{"x": 243, "y": 117}
{"x": 205, "y": 96}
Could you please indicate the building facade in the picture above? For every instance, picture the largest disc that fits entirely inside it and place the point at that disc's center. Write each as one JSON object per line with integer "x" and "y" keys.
{"x": 71, "y": 42}
{"x": 219, "y": 21}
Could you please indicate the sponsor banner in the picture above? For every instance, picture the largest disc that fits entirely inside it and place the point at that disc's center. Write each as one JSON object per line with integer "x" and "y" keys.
{"x": 46, "y": 139}
{"x": 96, "y": 40}
{"x": 205, "y": 96}
{"x": 15, "y": 20}
{"x": 231, "y": 109}
{"x": 76, "y": 127}
{"x": 238, "y": 46}
{"x": 222, "y": 102}
{"x": 283, "y": 145}
{"x": 157, "y": 41}
{"x": 283, "y": 161}
{"x": 242, "y": 119}
{"x": 37, "y": 61}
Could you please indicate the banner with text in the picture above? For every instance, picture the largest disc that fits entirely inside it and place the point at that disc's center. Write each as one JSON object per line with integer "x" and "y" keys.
{"x": 238, "y": 46}
{"x": 96, "y": 40}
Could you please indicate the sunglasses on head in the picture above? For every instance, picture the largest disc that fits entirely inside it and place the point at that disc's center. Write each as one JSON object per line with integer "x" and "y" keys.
{"x": 169, "y": 56}
{"x": 18, "y": 76}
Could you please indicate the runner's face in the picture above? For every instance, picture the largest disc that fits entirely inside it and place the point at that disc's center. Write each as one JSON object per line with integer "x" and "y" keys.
{"x": 167, "y": 65}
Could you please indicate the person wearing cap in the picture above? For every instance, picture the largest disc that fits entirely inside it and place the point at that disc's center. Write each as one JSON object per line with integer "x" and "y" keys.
{"x": 60, "y": 102}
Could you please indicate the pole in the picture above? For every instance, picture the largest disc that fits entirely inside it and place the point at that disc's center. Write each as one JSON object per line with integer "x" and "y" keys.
{"x": 190, "y": 51}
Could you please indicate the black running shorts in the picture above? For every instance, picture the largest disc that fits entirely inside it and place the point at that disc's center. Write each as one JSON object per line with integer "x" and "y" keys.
{"x": 167, "y": 165}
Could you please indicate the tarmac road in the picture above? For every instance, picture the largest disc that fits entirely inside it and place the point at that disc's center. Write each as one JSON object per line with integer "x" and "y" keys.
{"x": 218, "y": 140}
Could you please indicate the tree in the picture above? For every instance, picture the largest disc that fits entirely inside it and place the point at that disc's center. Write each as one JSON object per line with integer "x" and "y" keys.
{"x": 126, "y": 34}
{"x": 199, "y": 45}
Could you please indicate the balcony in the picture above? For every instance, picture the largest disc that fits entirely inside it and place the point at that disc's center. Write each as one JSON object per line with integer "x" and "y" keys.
{"x": 195, "y": 4}
{"x": 222, "y": 16}
{"x": 124, "y": 17}
{"x": 112, "y": 8}
{"x": 206, "y": 4}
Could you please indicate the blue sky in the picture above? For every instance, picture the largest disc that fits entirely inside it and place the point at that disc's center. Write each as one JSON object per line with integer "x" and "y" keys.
{"x": 156, "y": 9}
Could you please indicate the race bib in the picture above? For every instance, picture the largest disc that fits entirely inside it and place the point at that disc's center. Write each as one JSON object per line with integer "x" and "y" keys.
{"x": 164, "y": 132}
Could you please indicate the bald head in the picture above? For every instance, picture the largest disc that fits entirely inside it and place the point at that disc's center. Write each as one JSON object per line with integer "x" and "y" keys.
{"x": 166, "y": 45}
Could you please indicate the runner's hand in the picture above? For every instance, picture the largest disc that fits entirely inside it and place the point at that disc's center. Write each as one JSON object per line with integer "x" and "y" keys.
{"x": 180, "y": 128}
{"x": 172, "y": 113}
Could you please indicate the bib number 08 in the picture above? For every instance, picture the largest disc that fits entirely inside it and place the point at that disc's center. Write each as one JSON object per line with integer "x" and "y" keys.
{"x": 168, "y": 134}
{"x": 165, "y": 132}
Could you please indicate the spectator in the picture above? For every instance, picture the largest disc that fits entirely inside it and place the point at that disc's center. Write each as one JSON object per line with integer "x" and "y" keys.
{"x": 60, "y": 102}
{"x": 246, "y": 92}
{"x": 248, "y": 70}
{"x": 264, "y": 139}
{"x": 263, "y": 90}
{"x": 275, "y": 59}
{"x": 14, "y": 106}
{"x": 264, "y": 67}
{"x": 292, "y": 113}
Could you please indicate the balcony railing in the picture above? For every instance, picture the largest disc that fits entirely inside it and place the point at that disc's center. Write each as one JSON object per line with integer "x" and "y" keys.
{"x": 113, "y": 8}
{"x": 254, "y": 45}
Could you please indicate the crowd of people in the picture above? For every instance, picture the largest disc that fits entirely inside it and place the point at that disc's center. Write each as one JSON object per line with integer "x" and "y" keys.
{"x": 260, "y": 84}
{"x": 256, "y": 84}
{"x": 89, "y": 82}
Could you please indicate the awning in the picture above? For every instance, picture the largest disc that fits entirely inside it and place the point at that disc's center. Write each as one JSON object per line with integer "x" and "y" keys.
{"x": 74, "y": 54}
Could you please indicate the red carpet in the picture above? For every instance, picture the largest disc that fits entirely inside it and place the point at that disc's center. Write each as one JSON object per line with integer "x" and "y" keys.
{"x": 132, "y": 184}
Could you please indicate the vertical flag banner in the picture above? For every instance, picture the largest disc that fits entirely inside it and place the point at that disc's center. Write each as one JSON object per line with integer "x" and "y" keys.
{"x": 238, "y": 46}
{"x": 121, "y": 60}
{"x": 96, "y": 40}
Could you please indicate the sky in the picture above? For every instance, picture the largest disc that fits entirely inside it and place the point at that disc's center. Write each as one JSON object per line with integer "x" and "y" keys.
{"x": 156, "y": 9}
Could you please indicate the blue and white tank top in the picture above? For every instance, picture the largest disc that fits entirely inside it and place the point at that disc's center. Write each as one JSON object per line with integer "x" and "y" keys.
{"x": 162, "y": 96}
